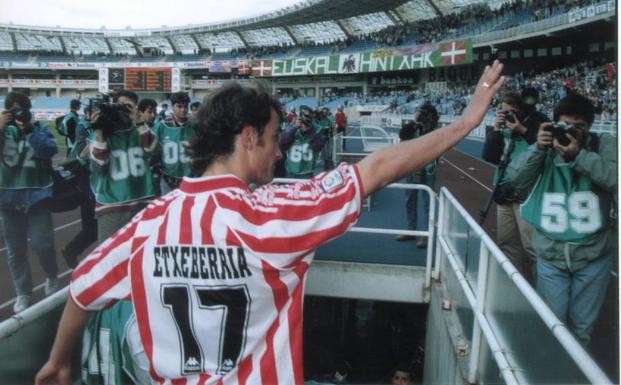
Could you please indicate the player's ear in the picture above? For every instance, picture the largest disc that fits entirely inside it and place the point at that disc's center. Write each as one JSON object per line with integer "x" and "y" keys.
{"x": 249, "y": 137}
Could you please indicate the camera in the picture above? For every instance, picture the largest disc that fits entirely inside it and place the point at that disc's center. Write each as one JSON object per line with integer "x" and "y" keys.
{"x": 510, "y": 117}
{"x": 306, "y": 116}
{"x": 20, "y": 115}
{"x": 112, "y": 116}
{"x": 559, "y": 129}
{"x": 410, "y": 129}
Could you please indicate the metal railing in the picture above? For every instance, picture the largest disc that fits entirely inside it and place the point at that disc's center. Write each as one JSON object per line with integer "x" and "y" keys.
{"x": 502, "y": 314}
{"x": 429, "y": 233}
{"x": 394, "y": 121}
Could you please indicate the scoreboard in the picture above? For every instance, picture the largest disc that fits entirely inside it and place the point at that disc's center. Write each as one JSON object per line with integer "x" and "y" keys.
{"x": 148, "y": 79}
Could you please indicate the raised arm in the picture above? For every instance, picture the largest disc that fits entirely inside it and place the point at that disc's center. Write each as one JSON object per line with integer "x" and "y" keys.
{"x": 394, "y": 162}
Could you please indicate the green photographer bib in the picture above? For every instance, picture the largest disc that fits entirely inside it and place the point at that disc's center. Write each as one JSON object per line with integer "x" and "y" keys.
{"x": 300, "y": 157}
{"x": 106, "y": 356}
{"x": 174, "y": 141}
{"x": 127, "y": 176}
{"x": 19, "y": 167}
{"x": 563, "y": 205}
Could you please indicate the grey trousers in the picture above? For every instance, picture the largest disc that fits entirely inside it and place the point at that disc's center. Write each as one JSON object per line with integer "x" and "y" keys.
{"x": 513, "y": 235}
{"x": 109, "y": 223}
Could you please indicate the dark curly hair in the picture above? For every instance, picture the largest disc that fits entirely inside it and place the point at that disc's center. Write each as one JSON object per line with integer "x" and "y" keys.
{"x": 575, "y": 104}
{"x": 222, "y": 117}
{"x": 17, "y": 97}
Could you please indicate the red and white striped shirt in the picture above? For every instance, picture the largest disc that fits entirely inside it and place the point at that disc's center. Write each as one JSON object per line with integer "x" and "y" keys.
{"x": 224, "y": 269}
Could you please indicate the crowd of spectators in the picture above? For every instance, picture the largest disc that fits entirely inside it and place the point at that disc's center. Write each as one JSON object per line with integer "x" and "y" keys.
{"x": 593, "y": 79}
{"x": 463, "y": 23}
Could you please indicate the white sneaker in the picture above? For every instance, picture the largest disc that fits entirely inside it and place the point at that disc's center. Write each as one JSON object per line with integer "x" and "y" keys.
{"x": 51, "y": 286}
{"x": 21, "y": 303}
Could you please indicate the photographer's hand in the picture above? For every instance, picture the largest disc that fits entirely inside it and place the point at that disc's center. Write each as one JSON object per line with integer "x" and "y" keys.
{"x": 544, "y": 138}
{"x": 500, "y": 120}
{"x": 516, "y": 127}
{"x": 5, "y": 118}
{"x": 568, "y": 152}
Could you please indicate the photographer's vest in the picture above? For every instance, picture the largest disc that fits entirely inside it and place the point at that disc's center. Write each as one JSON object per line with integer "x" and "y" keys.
{"x": 300, "y": 156}
{"x": 127, "y": 176}
{"x": 520, "y": 145}
{"x": 173, "y": 141}
{"x": 19, "y": 168}
{"x": 63, "y": 125}
{"x": 564, "y": 205}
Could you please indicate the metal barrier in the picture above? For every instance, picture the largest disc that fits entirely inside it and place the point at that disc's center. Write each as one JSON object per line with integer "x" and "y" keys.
{"x": 506, "y": 323}
{"x": 394, "y": 121}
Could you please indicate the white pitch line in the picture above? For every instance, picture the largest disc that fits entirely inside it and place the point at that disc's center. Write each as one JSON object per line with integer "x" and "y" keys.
{"x": 466, "y": 174}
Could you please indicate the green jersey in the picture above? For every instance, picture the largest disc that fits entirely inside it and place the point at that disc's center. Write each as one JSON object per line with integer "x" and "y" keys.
{"x": 564, "y": 206}
{"x": 19, "y": 168}
{"x": 126, "y": 176}
{"x": 172, "y": 141}
{"x": 300, "y": 156}
{"x": 110, "y": 348}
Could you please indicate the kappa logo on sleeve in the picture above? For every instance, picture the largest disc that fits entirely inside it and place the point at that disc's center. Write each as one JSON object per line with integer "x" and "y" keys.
{"x": 332, "y": 180}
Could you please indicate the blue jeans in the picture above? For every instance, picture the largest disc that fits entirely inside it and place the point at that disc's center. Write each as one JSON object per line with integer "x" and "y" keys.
{"x": 417, "y": 204}
{"x": 36, "y": 224}
{"x": 575, "y": 297}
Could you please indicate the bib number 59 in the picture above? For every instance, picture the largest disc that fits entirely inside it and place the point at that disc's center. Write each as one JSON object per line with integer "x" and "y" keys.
{"x": 581, "y": 213}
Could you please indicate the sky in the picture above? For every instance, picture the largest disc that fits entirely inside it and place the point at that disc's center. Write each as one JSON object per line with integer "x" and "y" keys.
{"x": 118, "y": 14}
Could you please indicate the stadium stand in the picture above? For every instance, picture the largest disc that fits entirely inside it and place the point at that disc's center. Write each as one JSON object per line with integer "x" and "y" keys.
{"x": 184, "y": 44}
{"x": 6, "y": 43}
{"x": 34, "y": 42}
{"x": 79, "y": 45}
{"x": 319, "y": 33}
{"x": 365, "y": 24}
{"x": 121, "y": 46}
{"x": 220, "y": 42}
{"x": 268, "y": 37}
{"x": 160, "y": 44}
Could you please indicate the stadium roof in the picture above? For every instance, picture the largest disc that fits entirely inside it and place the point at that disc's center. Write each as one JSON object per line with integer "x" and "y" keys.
{"x": 303, "y": 12}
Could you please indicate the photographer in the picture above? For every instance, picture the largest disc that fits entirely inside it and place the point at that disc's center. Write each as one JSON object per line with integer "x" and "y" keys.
{"x": 69, "y": 124}
{"x": 26, "y": 151}
{"x": 417, "y": 204}
{"x": 574, "y": 174}
{"x": 120, "y": 152}
{"x": 514, "y": 130}
{"x": 340, "y": 124}
{"x": 171, "y": 162}
{"x": 302, "y": 141}
{"x": 80, "y": 160}
{"x": 325, "y": 122}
